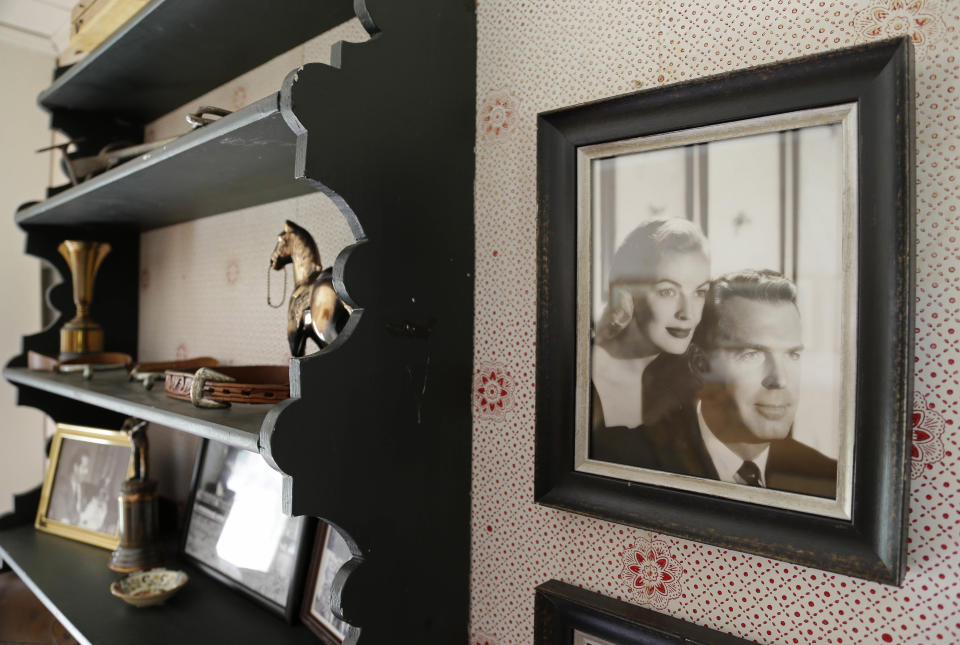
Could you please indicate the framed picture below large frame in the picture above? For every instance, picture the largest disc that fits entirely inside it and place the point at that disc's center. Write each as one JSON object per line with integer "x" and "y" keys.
{"x": 725, "y": 344}
{"x": 568, "y": 615}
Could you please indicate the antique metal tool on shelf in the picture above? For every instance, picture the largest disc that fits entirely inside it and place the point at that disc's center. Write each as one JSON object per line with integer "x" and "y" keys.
{"x": 79, "y": 169}
{"x": 200, "y": 118}
{"x": 139, "y": 514}
{"x": 87, "y": 364}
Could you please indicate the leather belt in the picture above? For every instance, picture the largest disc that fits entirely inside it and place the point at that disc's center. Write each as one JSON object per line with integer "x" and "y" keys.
{"x": 208, "y": 388}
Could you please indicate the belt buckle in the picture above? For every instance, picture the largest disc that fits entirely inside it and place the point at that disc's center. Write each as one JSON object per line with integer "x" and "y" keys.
{"x": 200, "y": 379}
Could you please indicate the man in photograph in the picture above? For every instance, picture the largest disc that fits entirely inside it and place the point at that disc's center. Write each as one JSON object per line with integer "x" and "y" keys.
{"x": 746, "y": 355}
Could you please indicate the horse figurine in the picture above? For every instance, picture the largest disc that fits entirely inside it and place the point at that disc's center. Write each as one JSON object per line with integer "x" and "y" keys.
{"x": 315, "y": 309}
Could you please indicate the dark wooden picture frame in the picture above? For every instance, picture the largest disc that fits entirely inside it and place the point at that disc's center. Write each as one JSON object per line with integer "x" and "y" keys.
{"x": 325, "y": 632}
{"x": 562, "y": 610}
{"x": 868, "y": 539}
{"x": 297, "y": 531}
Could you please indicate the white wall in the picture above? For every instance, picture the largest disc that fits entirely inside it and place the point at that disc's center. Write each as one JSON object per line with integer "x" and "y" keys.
{"x": 26, "y": 64}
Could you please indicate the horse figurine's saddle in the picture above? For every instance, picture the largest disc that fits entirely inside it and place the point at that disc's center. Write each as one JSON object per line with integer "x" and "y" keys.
{"x": 325, "y": 328}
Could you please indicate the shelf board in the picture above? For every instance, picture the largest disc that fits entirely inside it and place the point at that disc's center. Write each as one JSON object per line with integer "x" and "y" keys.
{"x": 175, "y": 50}
{"x": 238, "y": 425}
{"x": 241, "y": 160}
{"x": 72, "y": 580}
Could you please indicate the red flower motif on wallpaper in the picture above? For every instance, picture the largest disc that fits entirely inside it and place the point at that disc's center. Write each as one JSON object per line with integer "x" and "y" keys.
{"x": 483, "y": 639}
{"x": 652, "y": 573}
{"x": 239, "y": 97}
{"x": 493, "y": 390}
{"x": 918, "y": 19}
{"x": 928, "y": 426}
{"x": 497, "y": 114}
{"x": 233, "y": 271}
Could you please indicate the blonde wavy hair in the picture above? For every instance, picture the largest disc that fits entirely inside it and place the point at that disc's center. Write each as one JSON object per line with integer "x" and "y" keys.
{"x": 635, "y": 262}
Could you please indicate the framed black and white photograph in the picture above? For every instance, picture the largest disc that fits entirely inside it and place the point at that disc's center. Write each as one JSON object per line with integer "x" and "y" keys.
{"x": 565, "y": 614}
{"x": 330, "y": 553}
{"x": 79, "y": 497}
{"x": 720, "y": 304}
{"x": 236, "y": 530}
{"x": 724, "y": 317}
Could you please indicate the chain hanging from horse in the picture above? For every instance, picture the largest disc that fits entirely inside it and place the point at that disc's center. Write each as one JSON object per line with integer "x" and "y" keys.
{"x": 269, "y": 291}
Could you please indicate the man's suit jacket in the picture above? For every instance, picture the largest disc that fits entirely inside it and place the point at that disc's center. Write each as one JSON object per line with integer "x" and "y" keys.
{"x": 674, "y": 445}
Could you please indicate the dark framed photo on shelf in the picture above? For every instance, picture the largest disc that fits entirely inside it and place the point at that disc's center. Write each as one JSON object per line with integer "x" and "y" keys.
{"x": 236, "y": 530}
{"x": 330, "y": 553}
{"x": 78, "y": 499}
{"x": 725, "y": 303}
{"x": 568, "y": 615}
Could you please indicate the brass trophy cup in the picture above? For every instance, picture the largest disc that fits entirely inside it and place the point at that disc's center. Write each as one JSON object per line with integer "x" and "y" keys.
{"x": 82, "y": 335}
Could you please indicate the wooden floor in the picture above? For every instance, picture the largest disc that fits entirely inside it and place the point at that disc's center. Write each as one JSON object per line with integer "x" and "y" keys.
{"x": 24, "y": 619}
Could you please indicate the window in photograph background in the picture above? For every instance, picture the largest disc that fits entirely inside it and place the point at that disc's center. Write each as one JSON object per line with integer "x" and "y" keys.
{"x": 629, "y": 189}
{"x": 745, "y": 214}
{"x": 819, "y": 191}
{"x": 775, "y": 202}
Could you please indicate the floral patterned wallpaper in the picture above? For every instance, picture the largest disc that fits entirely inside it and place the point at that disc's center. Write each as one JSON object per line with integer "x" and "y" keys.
{"x": 536, "y": 55}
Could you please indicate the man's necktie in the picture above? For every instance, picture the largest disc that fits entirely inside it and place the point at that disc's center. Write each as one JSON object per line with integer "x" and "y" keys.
{"x": 749, "y": 473}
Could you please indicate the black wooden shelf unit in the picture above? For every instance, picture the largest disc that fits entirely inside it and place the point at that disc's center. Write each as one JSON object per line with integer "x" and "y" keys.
{"x": 175, "y": 50}
{"x": 376, "y": 437}
{"x": 239, "y": 425}
{"x": 69, "y": 577}
{"x": 241, "y": 160}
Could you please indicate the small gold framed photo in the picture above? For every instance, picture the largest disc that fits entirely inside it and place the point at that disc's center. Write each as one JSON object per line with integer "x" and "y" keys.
{"x": 80, "y": 490}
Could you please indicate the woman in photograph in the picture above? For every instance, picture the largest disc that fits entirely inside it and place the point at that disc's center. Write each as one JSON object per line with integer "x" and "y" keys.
{"x": 658, "y": 280}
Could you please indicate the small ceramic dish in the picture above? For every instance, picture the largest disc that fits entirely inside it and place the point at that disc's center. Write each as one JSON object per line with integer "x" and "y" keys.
{"x": 146, "y": 588}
